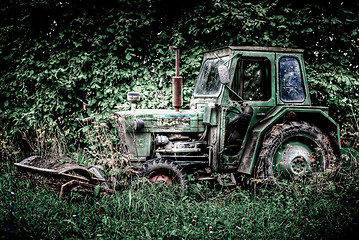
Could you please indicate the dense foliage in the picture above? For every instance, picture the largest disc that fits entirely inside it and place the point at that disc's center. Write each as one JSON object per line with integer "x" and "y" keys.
{"x": 61, "y": 61}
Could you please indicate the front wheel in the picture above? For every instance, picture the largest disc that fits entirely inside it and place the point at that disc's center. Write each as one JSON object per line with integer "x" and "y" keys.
{"x": 166, "y": 171}
{"x": 294, "y": 148}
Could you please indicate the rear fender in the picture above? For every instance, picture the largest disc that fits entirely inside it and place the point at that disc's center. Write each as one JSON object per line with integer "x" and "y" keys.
{"x": 280, "y": 115}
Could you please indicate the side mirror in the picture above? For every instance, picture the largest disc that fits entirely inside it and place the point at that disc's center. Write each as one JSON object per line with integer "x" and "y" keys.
{"x": 223, "y": 74}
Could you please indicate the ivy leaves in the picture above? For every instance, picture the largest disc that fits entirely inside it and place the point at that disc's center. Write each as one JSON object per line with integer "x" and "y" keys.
{"x": 82, "y": 57}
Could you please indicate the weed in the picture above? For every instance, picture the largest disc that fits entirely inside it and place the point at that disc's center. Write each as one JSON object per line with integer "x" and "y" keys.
{"x": 309, "y": 208}
{"x": 318, "y": 206}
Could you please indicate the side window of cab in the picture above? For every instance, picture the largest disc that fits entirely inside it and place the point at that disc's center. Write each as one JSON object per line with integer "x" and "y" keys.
{"x": 252, "y": 79}
{"x": 290, "y": 80}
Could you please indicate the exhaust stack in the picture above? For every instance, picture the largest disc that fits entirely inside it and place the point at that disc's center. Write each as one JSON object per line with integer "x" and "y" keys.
{"x": 177, "y": 82}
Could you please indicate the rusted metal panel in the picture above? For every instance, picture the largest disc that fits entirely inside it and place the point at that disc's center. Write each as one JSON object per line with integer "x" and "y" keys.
{"x": 56, "y": 175}
{"x": 177, "y": 83}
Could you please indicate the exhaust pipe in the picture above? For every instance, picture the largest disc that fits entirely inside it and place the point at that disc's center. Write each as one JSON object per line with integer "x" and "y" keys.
{"x": 177, "y": 82}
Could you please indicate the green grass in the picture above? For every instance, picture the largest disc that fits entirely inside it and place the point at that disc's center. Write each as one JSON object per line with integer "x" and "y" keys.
{"x": 310, "y": 208}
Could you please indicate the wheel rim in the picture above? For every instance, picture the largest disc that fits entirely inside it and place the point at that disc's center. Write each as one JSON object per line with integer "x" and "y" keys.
{"x": 161, "y": 178}
{"x": 297, "y": 155}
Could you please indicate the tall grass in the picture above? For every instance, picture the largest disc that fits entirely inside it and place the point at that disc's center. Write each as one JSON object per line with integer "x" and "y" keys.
{"x": 314, "y": 207}
{"x": 307, "y": 208}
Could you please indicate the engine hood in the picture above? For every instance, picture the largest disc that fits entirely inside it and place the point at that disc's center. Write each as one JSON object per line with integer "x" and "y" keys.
{"x": 156, "y": 120}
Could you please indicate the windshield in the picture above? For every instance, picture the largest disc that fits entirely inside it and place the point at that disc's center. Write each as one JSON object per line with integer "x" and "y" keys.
{"x": 208, "y": 83}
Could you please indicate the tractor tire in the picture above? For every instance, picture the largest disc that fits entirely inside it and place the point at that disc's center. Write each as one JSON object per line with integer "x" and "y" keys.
{"x": 164, "y": 170}
{"x": 295, "y": 148}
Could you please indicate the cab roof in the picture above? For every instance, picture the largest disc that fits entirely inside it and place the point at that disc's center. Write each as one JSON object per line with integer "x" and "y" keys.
{"x": 258, "y": 49}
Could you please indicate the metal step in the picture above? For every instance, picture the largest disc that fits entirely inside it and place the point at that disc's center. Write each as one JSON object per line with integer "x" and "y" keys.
{"x": 221, "y": 177}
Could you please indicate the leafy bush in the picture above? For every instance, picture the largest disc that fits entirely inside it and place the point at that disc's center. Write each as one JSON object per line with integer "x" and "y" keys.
{"x": 62, "y": 61}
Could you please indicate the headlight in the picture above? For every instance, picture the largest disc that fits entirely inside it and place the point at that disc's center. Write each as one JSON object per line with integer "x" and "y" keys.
{"x": 138, "y": 124}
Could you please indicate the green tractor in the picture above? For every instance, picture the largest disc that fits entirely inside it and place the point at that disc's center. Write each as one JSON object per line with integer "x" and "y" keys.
{"x": 250, "y": 113}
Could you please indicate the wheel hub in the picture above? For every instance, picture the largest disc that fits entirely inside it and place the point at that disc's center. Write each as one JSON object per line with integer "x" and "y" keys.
{"x": 295, "y": 160}
{"x": 162, "y": 178}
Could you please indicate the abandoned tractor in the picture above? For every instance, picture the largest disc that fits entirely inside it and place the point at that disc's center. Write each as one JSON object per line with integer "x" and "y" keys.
{"x": 250, "y": 113}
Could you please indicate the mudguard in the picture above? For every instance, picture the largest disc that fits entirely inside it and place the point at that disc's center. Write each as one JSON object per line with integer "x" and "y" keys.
{"x": 280, "y": 114}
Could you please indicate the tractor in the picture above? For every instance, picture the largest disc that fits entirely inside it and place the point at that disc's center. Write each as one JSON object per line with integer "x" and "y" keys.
{"x": 250, "y": 114}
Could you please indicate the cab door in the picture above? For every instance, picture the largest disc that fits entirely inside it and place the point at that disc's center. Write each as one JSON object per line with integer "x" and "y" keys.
{"x": 251, "y": 98}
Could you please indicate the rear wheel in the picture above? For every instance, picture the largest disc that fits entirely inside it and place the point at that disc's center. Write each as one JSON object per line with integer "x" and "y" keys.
{"x": 294, "y": 148}
{"x": 166, "y": 171}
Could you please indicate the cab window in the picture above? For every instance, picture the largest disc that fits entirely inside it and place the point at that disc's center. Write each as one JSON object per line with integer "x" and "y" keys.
{"x": 290, "y": 80}
{"x": 252, "y": 79}
{"x": 208, "y": 83}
